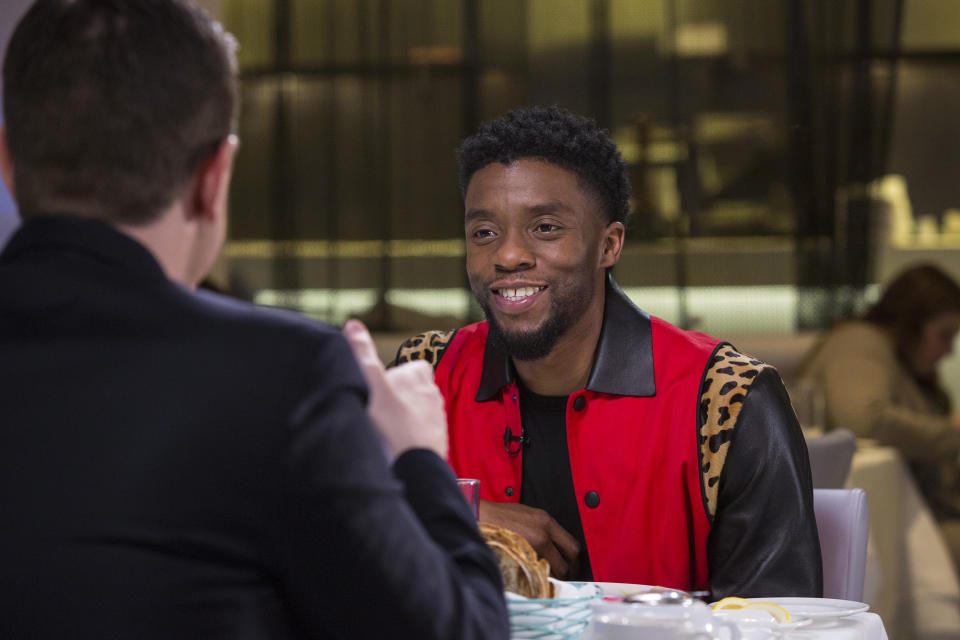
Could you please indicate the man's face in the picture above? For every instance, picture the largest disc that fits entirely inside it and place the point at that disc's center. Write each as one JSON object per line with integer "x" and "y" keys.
{"x": 537, "y": 248}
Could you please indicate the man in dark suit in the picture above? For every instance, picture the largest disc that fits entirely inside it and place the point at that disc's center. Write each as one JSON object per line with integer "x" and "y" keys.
{"x": 174, "y": 464}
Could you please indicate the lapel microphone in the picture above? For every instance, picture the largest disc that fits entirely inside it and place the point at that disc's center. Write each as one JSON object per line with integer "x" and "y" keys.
{"x": 513, "y": 443}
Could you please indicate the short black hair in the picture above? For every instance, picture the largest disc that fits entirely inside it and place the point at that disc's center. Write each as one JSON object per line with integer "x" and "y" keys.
{"x": 110, "y": 105}
{"x": 556, "y": 135}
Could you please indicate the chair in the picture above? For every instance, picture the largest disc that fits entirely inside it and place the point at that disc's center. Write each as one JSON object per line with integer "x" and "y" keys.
{"x": 830, "y": 458}
{"x": 843, "y": 521}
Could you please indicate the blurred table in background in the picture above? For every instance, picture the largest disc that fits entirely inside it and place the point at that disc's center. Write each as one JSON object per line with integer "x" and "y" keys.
{"x": 911, "y": 581}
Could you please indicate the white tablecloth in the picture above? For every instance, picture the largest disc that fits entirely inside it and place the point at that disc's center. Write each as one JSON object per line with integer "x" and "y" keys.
{"x": 910, "y": 578}
{"x": 861, "y": 626}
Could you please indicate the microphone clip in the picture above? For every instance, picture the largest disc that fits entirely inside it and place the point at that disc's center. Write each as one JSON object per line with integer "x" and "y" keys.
{"x": 513, "y": 444}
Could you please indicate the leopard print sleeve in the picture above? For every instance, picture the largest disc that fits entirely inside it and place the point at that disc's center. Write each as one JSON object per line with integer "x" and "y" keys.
{"x": 725, "y": 384}
{"x": 428, "y": 346}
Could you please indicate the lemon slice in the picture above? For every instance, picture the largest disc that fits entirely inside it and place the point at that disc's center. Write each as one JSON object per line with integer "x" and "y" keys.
{"x": 731, "y": 603}
{"x": 775, "y": 610}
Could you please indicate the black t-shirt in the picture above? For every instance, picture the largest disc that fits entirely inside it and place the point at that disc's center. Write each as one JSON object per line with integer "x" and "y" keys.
{"x": 547, "y": 481}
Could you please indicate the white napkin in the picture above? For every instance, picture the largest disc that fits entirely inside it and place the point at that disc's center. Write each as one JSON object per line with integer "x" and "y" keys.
{"x": 561, "y": 591}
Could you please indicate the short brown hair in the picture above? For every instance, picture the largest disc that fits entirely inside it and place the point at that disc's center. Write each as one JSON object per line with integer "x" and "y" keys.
{"x": 110, "y": 105}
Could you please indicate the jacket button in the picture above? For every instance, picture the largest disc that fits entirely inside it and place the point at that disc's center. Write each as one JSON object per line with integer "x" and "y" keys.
{"x": 509, "y": 491}
{"x": 592, "y": 499}
{"x": 579, "y": 403}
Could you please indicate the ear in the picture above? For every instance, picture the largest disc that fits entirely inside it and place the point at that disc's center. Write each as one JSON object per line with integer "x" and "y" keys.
{"x": 6, "y": 162}
{"x": 612, "y": 239}
{"x": 212, "y": 180}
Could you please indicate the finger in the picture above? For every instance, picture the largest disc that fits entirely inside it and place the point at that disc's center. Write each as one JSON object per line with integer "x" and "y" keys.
{"x": 364, "y": 350}
{"x": 565, "y": 543}
{"x": 558, "y": 566}
{"x": 416, "y": 370}
{"x": 421, "y": 368}
{"x": 361, "y": 342}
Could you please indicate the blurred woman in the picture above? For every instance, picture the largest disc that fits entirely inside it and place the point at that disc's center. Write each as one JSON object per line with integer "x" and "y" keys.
{"x": 878, "y": 375}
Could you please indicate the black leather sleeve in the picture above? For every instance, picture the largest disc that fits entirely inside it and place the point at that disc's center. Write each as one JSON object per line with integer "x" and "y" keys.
{"x": 764, "y": 539}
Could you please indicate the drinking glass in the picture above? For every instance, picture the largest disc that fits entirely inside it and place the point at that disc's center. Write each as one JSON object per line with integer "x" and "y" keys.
{"x": 470, "y": 489}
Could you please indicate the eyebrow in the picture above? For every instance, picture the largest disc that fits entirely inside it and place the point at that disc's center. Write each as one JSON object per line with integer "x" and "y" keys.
{"x": 473, "y": 214}
{"x": 554, "y": 206}
{"x": 548, "y": 207}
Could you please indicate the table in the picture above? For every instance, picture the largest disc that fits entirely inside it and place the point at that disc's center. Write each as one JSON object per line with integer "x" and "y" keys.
{"x": 910, "y": 581}
{"x": 861, "y": 626}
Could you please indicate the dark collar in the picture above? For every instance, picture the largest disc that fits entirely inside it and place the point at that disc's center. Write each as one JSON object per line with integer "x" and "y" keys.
{"x": 84, "y": 239}
{"x": 623, "y": 361}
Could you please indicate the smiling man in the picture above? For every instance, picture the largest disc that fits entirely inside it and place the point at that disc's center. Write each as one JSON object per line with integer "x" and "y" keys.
{"x": 623, "y": 448}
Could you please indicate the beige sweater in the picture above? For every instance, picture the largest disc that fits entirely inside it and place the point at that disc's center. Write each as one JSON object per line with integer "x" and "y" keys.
{"x": 869, "y": 391}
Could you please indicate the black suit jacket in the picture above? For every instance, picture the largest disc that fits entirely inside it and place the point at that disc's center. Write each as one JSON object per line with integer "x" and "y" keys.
{"x": 176, "y": 464}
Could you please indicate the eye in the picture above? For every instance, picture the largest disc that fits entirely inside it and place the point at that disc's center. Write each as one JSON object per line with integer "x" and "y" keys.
{"x": 546, "y": 227}
{"x": 481, "y": 234}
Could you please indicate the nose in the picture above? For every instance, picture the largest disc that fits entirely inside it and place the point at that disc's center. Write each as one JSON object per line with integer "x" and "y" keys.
{"x": 514, "y": 254}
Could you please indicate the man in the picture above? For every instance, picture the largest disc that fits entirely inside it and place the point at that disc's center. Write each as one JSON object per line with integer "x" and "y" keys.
{"x": 622, "y": 448}
{"x": 174, "y": 464}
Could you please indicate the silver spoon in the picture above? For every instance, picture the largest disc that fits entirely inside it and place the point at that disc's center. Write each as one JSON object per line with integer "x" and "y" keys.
{"x": 660, "y": 596}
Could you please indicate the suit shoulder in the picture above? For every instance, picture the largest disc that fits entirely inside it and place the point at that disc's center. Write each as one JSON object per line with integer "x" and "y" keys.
{"x": 238, "y": 319}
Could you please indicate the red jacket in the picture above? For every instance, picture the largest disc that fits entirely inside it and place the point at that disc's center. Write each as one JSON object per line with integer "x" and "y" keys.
{"x": 685, "y": 455}
{"x": 632, "y": 443}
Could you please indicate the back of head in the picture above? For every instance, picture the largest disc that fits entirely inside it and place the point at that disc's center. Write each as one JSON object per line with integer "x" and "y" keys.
{"x": 553, "y": 134}
{"x": 110, "y": 105}
{"x": 914, "y": 297}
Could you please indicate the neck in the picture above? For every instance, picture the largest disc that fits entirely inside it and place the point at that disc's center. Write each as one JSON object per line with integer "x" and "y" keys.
{"x": 172, "y": 243}
{"x": 566, "y": 368}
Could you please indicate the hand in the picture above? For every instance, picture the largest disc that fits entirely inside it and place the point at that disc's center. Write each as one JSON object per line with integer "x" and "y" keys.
{"x": 545, "y": 535}
{"x": 405, "y": 405}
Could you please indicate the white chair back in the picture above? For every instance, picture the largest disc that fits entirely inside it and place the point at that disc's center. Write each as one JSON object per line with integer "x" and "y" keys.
{"x": 830, "y": 458}
{"x": 843, "y": 522}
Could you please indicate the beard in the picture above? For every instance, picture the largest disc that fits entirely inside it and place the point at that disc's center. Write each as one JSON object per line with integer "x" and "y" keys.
{"x": 533, "y": 344}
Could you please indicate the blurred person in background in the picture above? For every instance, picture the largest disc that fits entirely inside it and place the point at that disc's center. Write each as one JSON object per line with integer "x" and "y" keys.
{"x": 623, "y": 448}
{"x": 878, "y": 377}
{"x": 175, "y": 463}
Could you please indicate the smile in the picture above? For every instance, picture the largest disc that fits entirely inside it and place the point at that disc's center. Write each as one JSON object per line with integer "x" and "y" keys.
{"x": 516, "y": 295}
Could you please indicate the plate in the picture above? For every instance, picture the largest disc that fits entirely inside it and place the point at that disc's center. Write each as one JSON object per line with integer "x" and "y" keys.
{"x": 816, "y": 608}
{"x": 750, "y": 619}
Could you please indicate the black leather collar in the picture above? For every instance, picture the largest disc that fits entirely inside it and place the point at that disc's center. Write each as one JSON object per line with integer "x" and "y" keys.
{"x": 623, "y": 361}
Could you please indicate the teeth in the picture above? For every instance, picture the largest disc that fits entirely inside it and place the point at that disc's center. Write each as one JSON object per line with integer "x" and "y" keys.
{"x": 515, "y": 295}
